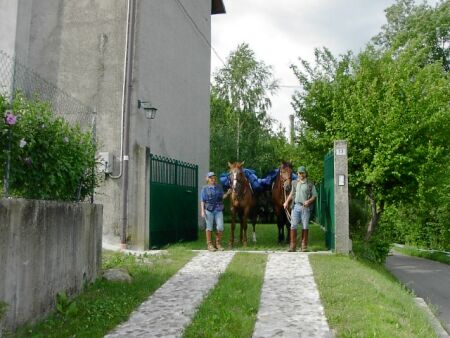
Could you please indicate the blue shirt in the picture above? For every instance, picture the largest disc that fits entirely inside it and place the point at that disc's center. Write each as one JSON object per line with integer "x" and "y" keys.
{"x": 212, "y": 196}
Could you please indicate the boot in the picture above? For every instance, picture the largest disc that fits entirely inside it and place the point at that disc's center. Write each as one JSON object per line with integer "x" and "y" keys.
{"x": 293, "y": 240}
{"x": 208, "y": 241}
{"x": 218, "y": 239}
{"x": 305, "y": 240}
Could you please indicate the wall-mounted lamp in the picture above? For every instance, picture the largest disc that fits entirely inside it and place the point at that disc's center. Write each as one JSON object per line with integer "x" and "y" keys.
{"x": 150, "y": 112}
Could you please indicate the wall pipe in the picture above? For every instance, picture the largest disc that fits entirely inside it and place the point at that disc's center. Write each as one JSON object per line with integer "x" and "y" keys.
{"x": 126, "y": 120}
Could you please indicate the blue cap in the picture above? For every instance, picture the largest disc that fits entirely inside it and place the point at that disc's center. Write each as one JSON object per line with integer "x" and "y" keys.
{"x": 210, "y": 174}
{"x": 301, "y": 169}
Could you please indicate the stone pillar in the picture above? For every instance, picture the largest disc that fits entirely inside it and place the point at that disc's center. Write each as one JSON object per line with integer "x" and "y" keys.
{"x": 341, "y": 203}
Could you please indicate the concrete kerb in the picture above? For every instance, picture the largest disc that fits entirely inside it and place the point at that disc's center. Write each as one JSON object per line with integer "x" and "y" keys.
{"x": 435, "y": 323}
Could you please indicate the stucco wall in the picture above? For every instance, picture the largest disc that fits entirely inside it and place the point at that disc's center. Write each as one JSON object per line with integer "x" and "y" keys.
{"x": 80, "y": 46}
{"x": 45, "y": 248}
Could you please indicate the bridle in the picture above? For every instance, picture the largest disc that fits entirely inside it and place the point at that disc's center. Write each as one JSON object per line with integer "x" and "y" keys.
{"x": 239, "y": 183}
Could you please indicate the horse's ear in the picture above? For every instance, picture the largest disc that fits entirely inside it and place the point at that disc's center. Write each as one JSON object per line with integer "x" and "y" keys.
{"x": 242, "y": 163}
{"x": 229, "y": 164}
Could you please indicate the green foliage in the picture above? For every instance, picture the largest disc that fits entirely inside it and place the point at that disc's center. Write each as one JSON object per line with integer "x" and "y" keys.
{"x": 374, "y": 250}
{"x": 64, "y": 306}
{"x": 3, "y": 307}
{"x": 391, "y": 105}
{"x": 240, "y": 126}
{"x": 50, "y": 159}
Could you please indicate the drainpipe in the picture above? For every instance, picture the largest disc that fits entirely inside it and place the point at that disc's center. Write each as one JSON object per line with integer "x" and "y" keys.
{"x": 126, "y": 119}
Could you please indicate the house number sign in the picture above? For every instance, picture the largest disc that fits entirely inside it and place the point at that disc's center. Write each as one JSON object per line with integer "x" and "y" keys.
{"x": 340, "y": 151}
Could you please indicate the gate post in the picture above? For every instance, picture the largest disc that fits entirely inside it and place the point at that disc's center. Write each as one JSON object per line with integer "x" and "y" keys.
{"x": 341, "y": 203}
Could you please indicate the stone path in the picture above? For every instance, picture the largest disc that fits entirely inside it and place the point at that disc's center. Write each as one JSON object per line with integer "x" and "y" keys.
{"x": 290, "y": 304}
{"x": 172, "y": 306}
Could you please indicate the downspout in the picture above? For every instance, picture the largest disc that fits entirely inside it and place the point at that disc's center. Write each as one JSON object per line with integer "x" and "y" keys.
{"x": 126, "y": 120}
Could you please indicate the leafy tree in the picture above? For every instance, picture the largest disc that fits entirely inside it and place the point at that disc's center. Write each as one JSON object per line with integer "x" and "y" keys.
{"x": 427, "y": 27}
{"x": 246, "y": 84}
{"x": 393, "y": 110}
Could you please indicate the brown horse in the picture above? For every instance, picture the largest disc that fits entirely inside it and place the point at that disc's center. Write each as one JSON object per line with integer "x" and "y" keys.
{"x": 242, "y": 202}
{"x": 281, "y": 188}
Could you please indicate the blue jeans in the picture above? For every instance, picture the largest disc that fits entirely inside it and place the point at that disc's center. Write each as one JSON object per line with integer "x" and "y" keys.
{"x": 210, "y": 217}
{"x": 300, "y": 214}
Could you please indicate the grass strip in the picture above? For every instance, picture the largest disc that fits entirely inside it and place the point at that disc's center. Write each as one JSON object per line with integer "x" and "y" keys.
{"x": 364, "y": 300}
{"x": 230, "y": 309}
{"x": 432, "y": 255}
{"x": 104, "y": 304}
{"x": 266, "y": 239}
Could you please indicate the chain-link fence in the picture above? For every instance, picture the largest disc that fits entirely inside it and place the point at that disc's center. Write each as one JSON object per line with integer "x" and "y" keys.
{"x": 16, "y": 77}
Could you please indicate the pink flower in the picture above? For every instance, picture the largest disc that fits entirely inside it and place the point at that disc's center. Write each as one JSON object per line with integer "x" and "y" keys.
{"x": 10, "y": 119}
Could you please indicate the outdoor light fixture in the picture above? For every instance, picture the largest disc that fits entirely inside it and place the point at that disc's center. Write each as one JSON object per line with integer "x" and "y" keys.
{"x": 150, "y": 112}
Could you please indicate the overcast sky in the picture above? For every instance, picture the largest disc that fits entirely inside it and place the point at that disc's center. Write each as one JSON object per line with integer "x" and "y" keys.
{"x": 280, "y": 31}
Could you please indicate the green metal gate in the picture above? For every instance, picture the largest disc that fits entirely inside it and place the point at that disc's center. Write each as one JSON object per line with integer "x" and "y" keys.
{"x": 325, "y": 201}
{"x": 173, "y": 201}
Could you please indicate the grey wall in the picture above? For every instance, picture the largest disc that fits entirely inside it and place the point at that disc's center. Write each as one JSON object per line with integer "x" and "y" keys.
{"x": 46, "y": 248}
{"x": 80, "y": 46}
{"x": 172, "y": 71}
{"x": 8, "y": 24}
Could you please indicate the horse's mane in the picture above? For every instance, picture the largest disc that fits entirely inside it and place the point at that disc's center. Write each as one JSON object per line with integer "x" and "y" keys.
{"x": 285, "y": 164}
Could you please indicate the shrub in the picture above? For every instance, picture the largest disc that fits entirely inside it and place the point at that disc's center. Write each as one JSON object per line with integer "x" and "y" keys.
{"x": 49, "y": 158}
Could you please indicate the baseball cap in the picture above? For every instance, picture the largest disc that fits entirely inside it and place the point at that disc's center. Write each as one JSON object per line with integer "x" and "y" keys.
{"x": 210, "y": 174}
{"x": 301, "y": 169}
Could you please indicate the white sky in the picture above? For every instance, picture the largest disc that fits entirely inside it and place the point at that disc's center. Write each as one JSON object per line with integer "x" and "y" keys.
{"x": 280, "y": 31}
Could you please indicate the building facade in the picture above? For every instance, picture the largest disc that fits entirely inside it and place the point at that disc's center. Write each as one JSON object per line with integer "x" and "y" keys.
{"x": 88, "y": 48}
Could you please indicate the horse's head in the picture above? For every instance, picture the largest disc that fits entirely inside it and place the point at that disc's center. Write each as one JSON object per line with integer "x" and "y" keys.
{"x": 286, "y": 175}
{"x": 237, "y": 176}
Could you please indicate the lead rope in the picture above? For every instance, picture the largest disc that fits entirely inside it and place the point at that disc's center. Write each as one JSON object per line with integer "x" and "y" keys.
{"x": 288, "y": 215}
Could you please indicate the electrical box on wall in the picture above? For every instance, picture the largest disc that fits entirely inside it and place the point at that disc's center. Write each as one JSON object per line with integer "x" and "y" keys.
{"x": 106, "y": 162}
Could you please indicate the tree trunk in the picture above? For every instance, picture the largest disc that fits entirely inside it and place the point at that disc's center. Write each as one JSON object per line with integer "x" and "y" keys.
{"x": 376, "y": 214}
{"x": 238, "y": 137}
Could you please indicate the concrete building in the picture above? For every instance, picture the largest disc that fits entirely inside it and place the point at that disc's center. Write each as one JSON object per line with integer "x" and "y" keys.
{"x": 110, "y": 54}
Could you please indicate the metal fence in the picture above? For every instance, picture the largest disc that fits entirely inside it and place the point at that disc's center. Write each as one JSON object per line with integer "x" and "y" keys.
{"x": 15, "y": 77}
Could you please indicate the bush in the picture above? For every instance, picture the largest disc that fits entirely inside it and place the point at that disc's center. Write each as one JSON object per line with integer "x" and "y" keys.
{"x": 49, "y": 159}
{"x": 375, "y": 250}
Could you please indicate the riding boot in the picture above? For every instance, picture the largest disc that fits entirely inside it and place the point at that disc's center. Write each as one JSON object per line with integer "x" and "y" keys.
{"x": 293, "y": 240}
{"x": 208, "y": 241}
{"x": 305, "y": 240}
{"x": 218, "y": 239}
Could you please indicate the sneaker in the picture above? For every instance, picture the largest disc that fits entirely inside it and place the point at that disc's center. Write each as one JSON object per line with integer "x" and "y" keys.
{"x": 211, "y": 247}
{"x": 219, "y": 247}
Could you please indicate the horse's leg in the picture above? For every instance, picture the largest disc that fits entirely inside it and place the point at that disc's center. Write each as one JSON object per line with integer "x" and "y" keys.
{"x": 244, "y": 227}
{"x": 254, "y": 228}
{"x": 280, "y": 226}
{"x": 233, "y": 223}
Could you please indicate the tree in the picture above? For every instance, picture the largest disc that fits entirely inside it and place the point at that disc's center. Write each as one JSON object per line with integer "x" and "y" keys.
{"x": 246, "y": 84}
{"x": 392, "y": 107}
{"x": 427, "y": 27}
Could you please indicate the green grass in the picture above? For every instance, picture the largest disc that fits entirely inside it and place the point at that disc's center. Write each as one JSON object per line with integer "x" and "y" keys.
{"x": 266, "y": 239}
{"x": 363, "y": 300}
{"x": 231, "y": 307}
{"x": 104, "y": 304}
{"x": 432, "y": 255}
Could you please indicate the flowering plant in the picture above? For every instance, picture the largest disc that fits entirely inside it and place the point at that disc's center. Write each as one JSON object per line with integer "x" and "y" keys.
{"x": 49, "y": 158}
{"x": 10, "y": 119}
